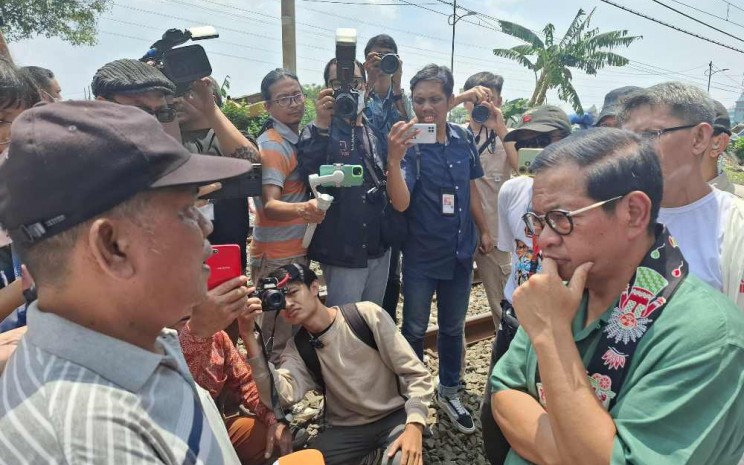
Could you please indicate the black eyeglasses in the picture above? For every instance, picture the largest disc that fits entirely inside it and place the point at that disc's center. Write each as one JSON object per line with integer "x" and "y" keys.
{"x": 289, "y": 100}
{"x": 356, "y": 83}
{"x": 657, "y": 133}
{"x": 559, "y": 221}
{"x": 163, "y": 114}
{"x": 538, "y": 142}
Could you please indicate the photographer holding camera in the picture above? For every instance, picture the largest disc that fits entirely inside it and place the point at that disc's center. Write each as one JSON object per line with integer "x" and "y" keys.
{"x": 377, "y": 391}
{"x": 348, "y": 243}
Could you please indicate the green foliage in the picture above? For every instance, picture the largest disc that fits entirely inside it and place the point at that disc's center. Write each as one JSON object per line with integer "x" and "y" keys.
{"x": 225, "y": 87}
{"x": 739, "y": 149}
{"x": 239, "y": 115}
{"x": 458, "y": 115}
{"x": 514, "y": 109}
{"x": 582, "y": 47}
{"x": 71, "y": 20}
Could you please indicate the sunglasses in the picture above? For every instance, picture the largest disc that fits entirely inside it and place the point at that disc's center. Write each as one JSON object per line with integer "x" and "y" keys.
{"x": 163, "y": 114}
{"x": 538, "y": 142}
{"x": 559, "y": 221}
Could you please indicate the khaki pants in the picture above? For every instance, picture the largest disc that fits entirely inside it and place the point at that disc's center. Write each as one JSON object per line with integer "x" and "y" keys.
{"x": 493, "y": 270}
{"x": 271, "y": 322}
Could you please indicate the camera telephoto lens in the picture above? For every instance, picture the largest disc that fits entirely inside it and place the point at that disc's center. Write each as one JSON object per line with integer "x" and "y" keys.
{"x": 389, "y": 63}
{"x": 480, "y": 113}
{"x": 346, "y": 106}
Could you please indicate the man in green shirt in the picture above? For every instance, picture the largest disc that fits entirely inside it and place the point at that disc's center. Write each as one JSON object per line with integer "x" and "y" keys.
{"x": 661, "y": 350}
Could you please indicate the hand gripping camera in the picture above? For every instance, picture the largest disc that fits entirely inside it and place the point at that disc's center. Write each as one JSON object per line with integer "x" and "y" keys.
{"x": 271, "y": 291}
{"x": 182, "y": 65}
{"x": 480, "y": 113}
{"x": 347, "y": 98}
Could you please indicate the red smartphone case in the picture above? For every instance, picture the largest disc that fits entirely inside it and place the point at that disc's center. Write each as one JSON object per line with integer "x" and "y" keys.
{"x": 224, "y": 264}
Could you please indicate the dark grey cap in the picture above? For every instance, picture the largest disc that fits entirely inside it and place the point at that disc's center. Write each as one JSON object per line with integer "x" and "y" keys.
{"x": 613, "y": 101}
{"x": 722, "y": 123}
{"x": 70, "y": 161}
{"x": 545, "y": 118}
{"x": 129, "y": 76}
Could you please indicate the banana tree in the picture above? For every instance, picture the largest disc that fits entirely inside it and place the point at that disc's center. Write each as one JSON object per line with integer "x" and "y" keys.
{"x": 582, "y": 47}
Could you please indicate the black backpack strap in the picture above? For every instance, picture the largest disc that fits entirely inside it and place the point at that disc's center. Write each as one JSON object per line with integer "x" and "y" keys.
{"x": 309, "y": 356}
{"x": 359, "y": 325}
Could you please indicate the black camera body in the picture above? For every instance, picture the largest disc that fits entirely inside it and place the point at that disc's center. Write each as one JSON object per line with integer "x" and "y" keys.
{"x": 347, "y": 98}
{"x": 272, "y": 296}
{"x": 389, "y": 63}
{"x": 480, "y": 113}
{"x": 182, "y": 65}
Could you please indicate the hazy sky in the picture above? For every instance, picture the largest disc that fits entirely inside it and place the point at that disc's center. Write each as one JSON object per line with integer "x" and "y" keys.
{"x": 250, "y": 40}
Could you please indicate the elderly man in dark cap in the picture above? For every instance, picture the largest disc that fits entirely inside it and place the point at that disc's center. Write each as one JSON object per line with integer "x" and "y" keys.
{"x": 613, "y": 102}
{"x": 712, "y": 170}
{"x": 117, "y": 248}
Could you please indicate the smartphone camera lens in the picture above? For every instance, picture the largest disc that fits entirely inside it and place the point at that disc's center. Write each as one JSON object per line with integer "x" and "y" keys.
{"x": 356, "y": 171}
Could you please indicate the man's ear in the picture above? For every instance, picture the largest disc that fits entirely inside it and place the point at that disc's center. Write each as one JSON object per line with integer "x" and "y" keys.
{"x": 110, "y": 246}
{"x": 100, "y": 97}
{"x": 267, "y": 105}
{"x": 315, "y": 288}
{"x": 701, "y": 138}
{"x": 498, "y": 101}
{"x": 450, "y": 101}
{"x": 637, "y": 211}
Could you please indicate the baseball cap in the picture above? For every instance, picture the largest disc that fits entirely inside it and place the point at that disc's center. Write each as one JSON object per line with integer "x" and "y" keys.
{"x": 70, "y": 161}
{"x": 545, "y": 118}
{"x": 129, "y": 76}
{"x": 722, "y": 123}
{"x": 613, "y": 101}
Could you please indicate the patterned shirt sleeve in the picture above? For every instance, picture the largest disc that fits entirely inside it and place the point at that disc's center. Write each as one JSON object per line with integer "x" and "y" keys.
{"x": 239, "y": 379}
{"x": 204, "y": 360}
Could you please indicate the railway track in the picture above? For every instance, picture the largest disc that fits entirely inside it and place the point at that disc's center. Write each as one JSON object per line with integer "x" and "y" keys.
{"x": 477, "y": 328}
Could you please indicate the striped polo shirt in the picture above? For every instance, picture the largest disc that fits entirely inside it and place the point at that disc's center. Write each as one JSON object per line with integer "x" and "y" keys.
{"x": 73, "y": 395}
{"x": 279, "y": 239}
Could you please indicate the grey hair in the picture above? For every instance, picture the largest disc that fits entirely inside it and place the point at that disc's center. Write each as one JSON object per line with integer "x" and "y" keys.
{"x": 685, "y": 102}
{"x": 48, "y": 260}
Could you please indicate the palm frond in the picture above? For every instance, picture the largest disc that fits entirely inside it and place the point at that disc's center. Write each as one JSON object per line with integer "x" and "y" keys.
{"x": 514, "y": 55}
{"x": 521, "y": 33}
{"x": 575, "y": 28}
{"x": 567, "y": 93}
{"x": 611, "y": 39}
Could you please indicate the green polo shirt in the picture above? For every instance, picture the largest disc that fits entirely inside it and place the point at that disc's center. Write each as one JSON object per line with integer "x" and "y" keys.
{"x": 682, "y": 400}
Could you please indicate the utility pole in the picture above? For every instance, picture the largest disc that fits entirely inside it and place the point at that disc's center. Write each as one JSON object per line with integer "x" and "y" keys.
{"x": 289, "y": 43}
{"x": 710, "y": 73}
{"x": 452, "y": 20}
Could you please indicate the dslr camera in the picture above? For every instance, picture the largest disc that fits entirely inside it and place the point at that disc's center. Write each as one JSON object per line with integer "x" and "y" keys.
{"x": 480, "y": 113}
{"x": 271, "y": 295}
{"x": 389, "y": 63}
{"x": 347, "y": 98}
{"x": 182, "y": 65}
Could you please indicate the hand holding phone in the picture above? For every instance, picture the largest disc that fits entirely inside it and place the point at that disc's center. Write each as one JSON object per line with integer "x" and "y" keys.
{"x": 526, "y": 158}
{"x": 426, "y": 133}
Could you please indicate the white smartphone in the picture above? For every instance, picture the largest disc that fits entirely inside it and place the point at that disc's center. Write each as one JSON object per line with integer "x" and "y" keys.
{"x": 427, "y": 133}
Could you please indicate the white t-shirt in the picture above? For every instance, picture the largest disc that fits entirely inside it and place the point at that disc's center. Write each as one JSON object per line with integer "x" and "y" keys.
{"x": 515, "y": 198}
{"x": 698, "y": 229}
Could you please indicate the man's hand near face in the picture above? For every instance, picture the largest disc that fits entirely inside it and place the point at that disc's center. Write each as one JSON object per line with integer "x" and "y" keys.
{"x": 545, "y": 306}
{"x": 223, "y": 304}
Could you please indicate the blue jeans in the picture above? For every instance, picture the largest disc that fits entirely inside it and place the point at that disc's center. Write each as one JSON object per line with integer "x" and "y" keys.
{"x": 351, "y": 285}
{"x": 453, "y": 296}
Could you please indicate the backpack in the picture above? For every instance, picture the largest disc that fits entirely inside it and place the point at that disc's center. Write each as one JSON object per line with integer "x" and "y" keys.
{"x": 306, "y": 346}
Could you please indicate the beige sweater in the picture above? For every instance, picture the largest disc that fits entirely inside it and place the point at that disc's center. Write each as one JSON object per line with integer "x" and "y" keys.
{"x": 361, "y": 383}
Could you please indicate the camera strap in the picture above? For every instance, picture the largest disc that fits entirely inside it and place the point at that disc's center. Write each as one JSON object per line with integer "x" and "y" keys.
{"x": 276, "y": 407}
{"x": 369, "y": 162}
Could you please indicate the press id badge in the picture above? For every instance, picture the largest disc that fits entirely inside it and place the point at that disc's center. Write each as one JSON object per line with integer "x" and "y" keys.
{"x": 448, "y": 202}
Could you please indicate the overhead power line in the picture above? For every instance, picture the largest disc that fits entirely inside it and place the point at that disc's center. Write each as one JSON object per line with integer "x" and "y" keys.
{"x": 708, "y": 13}
{"x": 637, "y": 13}
{"x": 697, "y": 20}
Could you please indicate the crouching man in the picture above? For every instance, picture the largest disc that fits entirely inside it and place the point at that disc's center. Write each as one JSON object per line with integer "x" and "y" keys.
{"x": 377, "y": 391}
{"x": 639, "y": 360}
